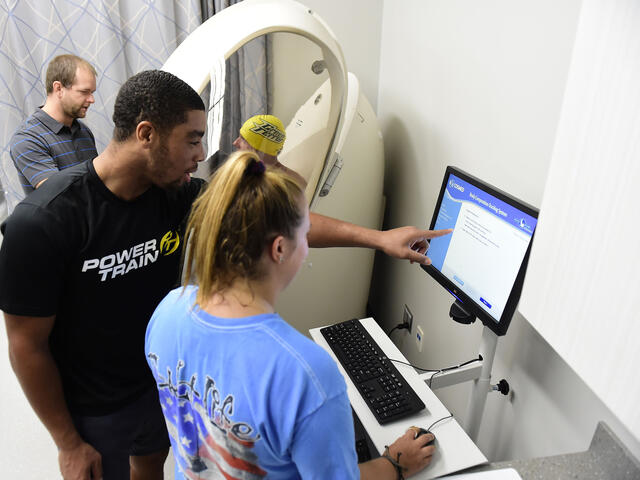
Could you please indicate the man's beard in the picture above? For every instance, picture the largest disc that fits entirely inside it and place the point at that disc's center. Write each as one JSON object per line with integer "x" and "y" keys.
{"x": 76, "y": 112}
{"x": 162, "y": 163}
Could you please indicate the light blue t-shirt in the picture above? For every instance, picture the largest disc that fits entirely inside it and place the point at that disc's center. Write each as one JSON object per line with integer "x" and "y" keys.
{"x": 250, "y": 397}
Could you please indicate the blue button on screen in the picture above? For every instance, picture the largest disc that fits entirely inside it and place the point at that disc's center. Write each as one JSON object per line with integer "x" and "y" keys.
{"x": 485, "y": 302}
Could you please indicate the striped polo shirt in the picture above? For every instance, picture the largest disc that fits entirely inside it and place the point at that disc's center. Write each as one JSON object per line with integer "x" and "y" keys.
{"x": 42, "y": 146}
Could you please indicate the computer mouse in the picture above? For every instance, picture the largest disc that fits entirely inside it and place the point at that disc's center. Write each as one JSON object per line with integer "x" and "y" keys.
{"x": 422, "y": 431}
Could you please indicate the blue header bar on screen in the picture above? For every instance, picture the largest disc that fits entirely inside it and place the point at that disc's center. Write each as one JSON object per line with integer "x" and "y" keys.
{"x": 464, "y": 191}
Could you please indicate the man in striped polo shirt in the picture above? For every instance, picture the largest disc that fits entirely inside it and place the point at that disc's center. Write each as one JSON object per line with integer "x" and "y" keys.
{"x": 53, "y": 138}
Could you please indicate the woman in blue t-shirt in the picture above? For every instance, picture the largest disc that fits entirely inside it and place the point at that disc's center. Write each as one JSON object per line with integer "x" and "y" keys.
{"x": 244, "y": 394}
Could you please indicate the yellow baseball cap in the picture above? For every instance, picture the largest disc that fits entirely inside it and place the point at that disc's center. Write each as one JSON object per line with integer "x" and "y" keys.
{"x": 264, "y": 133}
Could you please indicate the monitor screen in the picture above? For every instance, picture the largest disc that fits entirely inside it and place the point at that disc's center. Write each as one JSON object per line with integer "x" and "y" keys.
{"x": 482, "y": 263}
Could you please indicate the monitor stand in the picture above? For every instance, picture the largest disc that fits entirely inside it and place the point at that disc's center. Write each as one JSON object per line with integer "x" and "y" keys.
{"x": 481, "y": 385}
{"x": 478, "y": 371}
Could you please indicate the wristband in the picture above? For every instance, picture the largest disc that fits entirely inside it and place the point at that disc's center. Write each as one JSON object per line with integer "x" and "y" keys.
{"x": 399, "y": 468}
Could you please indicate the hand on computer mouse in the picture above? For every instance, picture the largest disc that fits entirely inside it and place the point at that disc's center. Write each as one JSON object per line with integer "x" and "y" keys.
{"x": 414, "y": 452}
{"x": 421, "y": 431}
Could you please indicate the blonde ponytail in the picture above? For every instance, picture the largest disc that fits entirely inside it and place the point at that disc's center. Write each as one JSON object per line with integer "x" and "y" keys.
{"x": 240, "y": 212}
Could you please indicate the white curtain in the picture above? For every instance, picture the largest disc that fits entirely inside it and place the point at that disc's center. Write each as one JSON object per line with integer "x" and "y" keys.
{"x": 119, "y": 37}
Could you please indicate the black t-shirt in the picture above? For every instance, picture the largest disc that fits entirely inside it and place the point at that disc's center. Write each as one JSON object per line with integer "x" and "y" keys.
{"x": 101, "y": 265}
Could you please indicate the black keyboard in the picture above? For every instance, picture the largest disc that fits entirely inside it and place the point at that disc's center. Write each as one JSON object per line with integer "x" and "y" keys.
{"x": 385, "y": 391}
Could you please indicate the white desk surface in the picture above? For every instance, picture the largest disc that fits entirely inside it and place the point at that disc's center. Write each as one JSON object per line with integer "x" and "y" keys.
{"x": 454, "y": 449}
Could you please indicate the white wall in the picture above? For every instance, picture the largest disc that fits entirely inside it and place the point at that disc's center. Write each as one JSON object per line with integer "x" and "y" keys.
{"x": 479, "y": 85}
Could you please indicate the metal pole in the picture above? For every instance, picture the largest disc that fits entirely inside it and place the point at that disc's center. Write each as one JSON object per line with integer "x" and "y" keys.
{"x": 482, "y": 385}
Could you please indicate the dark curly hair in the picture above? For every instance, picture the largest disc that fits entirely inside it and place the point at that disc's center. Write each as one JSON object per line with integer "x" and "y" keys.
{"x": 156, "y": 96}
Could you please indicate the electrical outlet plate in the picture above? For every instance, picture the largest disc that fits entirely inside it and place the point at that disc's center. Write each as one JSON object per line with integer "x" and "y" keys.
{"x": 407, "y": 317}
{"x": 419, "y": 337}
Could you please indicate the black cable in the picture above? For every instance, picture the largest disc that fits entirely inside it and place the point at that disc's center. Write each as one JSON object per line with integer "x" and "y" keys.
{"x": 438, "y": 421}
{"x": 217, "y": 102}
{"x": 400, "y": 326}
{"x": 434, "y": 374}
{"x": 394, "y": 328}
{"x": 452, "y": 367}
{"x": 417, "y": 368}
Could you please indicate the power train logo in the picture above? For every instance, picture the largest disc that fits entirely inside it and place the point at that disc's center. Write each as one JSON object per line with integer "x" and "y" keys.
{"x": 135, "y": 257}
{"x": 169, "y": 243}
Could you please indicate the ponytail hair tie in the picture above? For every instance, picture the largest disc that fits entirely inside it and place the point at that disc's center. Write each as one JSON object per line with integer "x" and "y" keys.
{"x": 255, "y": 168}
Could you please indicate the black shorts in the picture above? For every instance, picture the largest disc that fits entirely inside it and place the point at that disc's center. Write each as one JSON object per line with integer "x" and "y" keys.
{"x": 137, "y": 429}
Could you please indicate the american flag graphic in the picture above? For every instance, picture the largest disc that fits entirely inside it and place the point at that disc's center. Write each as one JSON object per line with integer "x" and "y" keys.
{"x": 206, "y": 443}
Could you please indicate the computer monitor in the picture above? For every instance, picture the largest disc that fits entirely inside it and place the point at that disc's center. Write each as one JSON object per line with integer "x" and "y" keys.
{"x": 483, "y": 262}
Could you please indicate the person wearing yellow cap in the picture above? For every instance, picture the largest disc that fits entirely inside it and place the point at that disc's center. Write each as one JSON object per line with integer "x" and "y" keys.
{"x": 265, "y": 135}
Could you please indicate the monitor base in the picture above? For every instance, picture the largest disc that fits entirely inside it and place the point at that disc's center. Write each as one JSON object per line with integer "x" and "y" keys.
{"x": 460, "y": 314}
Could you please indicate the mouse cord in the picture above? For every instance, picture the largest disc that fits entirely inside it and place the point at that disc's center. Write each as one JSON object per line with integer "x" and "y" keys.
{"x": 433, "y": 375}
{"x": 438, "y": 421}
{"x": 396, "y": 463}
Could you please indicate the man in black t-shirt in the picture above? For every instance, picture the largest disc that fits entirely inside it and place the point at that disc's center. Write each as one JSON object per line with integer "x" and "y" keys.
{"x": 86, "y": 259}
{"x": 84, "y": 262}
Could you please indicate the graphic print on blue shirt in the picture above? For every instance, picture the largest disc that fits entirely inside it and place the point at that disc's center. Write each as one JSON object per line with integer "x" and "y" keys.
{"x": 201, "y": 430}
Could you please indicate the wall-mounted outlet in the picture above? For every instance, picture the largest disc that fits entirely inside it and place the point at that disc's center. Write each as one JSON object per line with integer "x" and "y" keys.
{"x": 407, "y": 317}
{"x": 419, "y": 337}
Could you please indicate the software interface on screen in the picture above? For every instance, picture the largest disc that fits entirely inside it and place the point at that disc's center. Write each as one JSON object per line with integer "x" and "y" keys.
{"x": 485, "y": 251}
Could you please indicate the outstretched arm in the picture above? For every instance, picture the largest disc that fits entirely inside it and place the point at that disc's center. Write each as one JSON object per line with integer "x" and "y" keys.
{"x": 40, "y": 380}
{"x": 405, "y": 242}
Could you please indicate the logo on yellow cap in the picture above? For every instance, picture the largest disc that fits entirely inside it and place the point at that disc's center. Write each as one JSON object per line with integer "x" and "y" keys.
{"x": 265, "y": 133}
{"x": 270, "y": 132}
